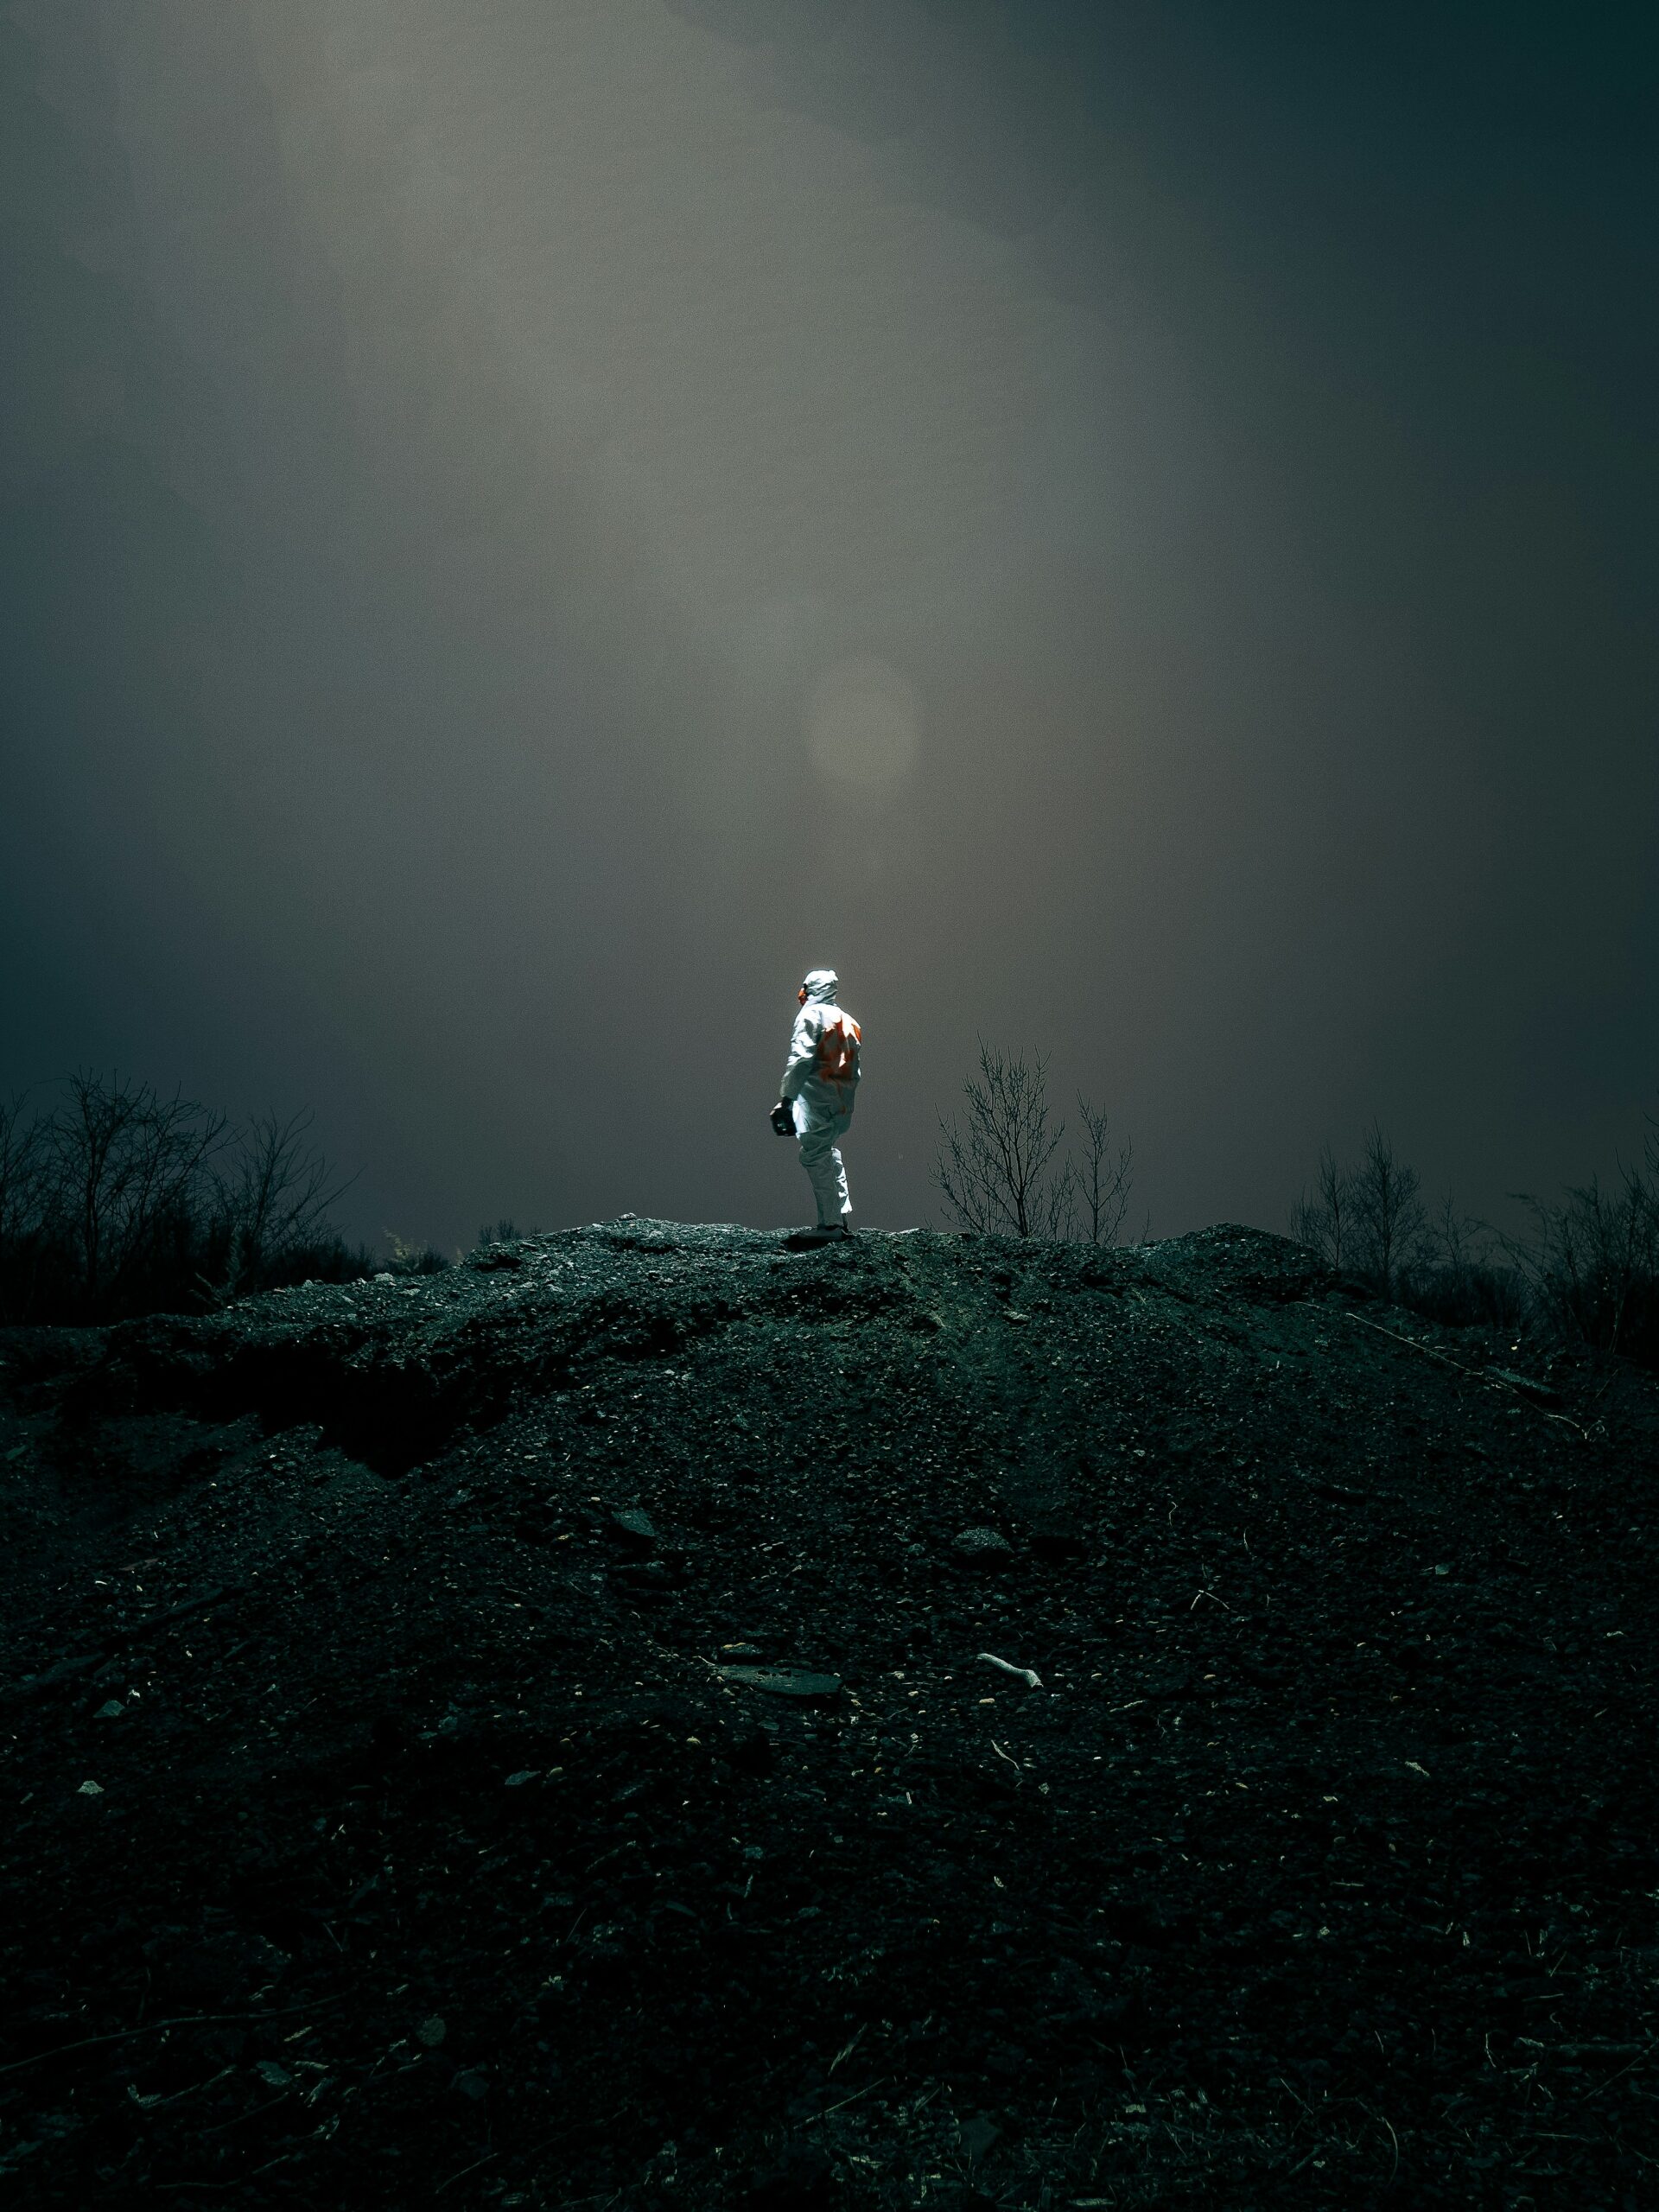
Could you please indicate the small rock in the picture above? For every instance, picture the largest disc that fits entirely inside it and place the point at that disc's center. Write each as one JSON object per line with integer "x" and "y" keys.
{"x": 784, "y": 1681}
{"x": 977, "y": 2136}
{"x": 525, "y": 1774}
{"x": 634, "y": 1524}
{"x": 90, "y": 1789}
{"x": 982, "y": 1543}
{"x": 273, "y": 2076}
{"x": 112, "y": 1711}
{"x": 473, "y": 2085}
{"x": 431, "y": 2033}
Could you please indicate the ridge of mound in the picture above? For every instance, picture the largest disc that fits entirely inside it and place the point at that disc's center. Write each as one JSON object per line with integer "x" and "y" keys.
{"x": 655, "y": 1715}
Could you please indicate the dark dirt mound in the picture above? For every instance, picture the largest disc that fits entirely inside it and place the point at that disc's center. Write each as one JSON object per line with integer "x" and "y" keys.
{"x": 525, "y": 1736}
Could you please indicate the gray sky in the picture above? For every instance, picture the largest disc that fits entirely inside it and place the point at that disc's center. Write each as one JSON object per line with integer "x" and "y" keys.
{"x": 526, "y": 524}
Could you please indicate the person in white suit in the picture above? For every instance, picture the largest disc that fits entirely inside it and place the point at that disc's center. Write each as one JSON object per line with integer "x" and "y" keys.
{"x": 815, "y": 1099}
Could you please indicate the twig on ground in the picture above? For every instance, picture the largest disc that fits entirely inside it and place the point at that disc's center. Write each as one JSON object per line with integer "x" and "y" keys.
{"x": 1478, "y": 1373}
{"x": 1623, "y": 2070}
{"x": 153, "y": 2104}
{"x": 465, "y": 2171}
{"x": 853, "y": 2100}
{"x": 1013, "y": 1763}
{"x": 156, "y": 2027}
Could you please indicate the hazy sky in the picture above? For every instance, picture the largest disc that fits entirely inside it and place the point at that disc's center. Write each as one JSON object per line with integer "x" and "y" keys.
{"x": 526, "y": 524}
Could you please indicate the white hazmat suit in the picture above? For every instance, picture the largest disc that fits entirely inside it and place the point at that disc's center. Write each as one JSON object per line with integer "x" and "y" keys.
{"x": 818, "y": 1086}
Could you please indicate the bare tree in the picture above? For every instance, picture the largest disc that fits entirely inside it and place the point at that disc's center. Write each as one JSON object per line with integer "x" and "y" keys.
{"x": 1001, "y": 1170}
{"x": 1370, "y": 1219}
{"x": 119, "y": 1200}
{"x": 1101, "y": 1177}
{"x": 22, "y": 1172}
{"x": 1454, "y": 1238}
{"x": 1390, "y": 1222}
{"x": 1322, "y": 1219}
{"x": 996, "y": 1169}
{"x": 273, "y": 1199}
{"x": 1593, "y": 1263}
{"x": 125, "y": 1165}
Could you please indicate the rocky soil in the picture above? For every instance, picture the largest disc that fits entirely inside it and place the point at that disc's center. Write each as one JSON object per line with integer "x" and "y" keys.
{"x": 524, "y": 1736}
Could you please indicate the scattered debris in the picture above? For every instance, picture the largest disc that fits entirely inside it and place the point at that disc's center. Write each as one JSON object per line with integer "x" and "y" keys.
{"x": 707, "y": 1839}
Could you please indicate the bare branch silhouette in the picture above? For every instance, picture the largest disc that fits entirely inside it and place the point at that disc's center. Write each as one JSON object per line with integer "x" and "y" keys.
{"x": 999, "y": 1167}
{"x": 1103, "y": 1178}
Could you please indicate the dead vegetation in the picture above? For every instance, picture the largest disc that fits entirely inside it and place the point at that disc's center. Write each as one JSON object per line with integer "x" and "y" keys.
{"x": 1001, "y": 1169}
{"x": 117, "y": 1199}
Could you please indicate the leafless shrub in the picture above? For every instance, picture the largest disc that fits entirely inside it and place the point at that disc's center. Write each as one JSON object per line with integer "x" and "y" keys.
{"x": 1322, "y": 1218}
{"x": 273, "y": 1200}
{"x": 1586, "y": 1275}
{"x": 1390, "y": 1225}
{"x": 997, "y": 1173}
{"x": 1368, "y": 1220}
{"x": 1101, "y": 1179}
{"x": 124, "y": 1168}
{"x": 23, "y": 1166}
{"x": 1001, "y": 1170}
{"x": 1461, "y": 1277}
{"x": 119, "y": 1200}
{"x": 24, "y": 1192}
{"x": 1592, "y": 1261}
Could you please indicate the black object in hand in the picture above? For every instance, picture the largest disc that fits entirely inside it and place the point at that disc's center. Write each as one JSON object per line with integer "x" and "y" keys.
{"x": 782, "y": 1120}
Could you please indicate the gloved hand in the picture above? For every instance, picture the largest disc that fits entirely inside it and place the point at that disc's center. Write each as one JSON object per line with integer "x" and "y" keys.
{"x": 782, "y": 1119}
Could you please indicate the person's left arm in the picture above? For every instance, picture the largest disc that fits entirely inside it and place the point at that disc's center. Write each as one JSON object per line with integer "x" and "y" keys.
{"x": 803, "y": 1057}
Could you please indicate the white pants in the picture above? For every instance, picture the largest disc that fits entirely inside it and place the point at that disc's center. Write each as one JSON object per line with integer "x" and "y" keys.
{"x": 821, "y": 1157}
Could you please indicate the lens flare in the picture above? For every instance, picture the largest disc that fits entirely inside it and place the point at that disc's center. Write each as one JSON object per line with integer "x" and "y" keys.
{"x": 863, "y": 725}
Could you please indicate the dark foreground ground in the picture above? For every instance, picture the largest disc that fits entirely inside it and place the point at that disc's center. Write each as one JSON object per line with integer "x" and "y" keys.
{"x": 382, "y": 1825}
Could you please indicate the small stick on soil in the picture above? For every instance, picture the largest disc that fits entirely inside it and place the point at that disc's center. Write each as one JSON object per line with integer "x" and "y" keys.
{"x": 1478, "y": 1373}
{"x": 156, "y": 2027}
{"x": 1622, "y": 2072}
{"x": 853, "y": 2100}
{"x": 465, "y": 2171}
